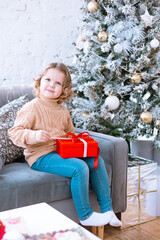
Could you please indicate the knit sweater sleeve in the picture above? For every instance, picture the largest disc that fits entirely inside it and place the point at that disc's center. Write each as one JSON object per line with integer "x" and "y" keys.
{"x": 70, "y": 127}
{"x": 21, "y": 133}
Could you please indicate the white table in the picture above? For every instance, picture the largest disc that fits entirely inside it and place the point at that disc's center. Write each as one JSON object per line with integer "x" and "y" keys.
{"x": 40, "y": 218}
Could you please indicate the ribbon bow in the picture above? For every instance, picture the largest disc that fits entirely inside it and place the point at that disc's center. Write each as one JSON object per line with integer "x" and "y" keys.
{"x": 75, "y": 138}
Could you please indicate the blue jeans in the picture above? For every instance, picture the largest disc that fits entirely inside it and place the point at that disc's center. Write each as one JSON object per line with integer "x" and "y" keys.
{"x": 79, "y": 170}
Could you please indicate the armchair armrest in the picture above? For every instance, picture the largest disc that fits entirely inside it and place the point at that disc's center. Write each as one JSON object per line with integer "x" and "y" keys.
{"x": 114, "y": 151}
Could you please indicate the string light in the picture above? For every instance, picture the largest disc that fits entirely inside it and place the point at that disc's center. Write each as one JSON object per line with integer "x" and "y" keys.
{"x": 85, "y": 114}
{"x": 74, "y": 112}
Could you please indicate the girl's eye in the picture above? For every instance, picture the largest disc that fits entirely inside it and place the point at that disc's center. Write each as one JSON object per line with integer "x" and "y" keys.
{"x": 58, "y": 83}
{"x": 47, "y": 79}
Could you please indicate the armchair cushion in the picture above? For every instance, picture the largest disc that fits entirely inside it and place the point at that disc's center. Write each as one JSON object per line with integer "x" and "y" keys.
{"x": 8, "y": 151}
{"x": 20, "y": 185}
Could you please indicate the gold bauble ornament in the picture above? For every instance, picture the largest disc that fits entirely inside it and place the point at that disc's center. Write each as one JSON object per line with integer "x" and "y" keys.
{"x": 92, "y": 6}
{"x": 102, "y": 36}
{"x": 136, "y": 78}
{"x": 146, "y": 117}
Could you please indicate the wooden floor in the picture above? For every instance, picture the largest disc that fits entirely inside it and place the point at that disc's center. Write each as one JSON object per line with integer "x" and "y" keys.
{"x": 146, "y": 231}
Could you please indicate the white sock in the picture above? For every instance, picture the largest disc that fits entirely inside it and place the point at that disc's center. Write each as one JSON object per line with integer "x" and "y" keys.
{"x": 115, "y": 222}
{"x": 108, "y": 216}
{"x": 112, "y": 219}
{"x": 96, "y": 219}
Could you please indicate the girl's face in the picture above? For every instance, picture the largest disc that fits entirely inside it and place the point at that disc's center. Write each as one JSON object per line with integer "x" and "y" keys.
{"x": 51, "y": 85}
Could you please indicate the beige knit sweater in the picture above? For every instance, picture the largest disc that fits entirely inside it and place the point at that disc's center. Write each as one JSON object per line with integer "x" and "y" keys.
{"x": 40, "y": 114}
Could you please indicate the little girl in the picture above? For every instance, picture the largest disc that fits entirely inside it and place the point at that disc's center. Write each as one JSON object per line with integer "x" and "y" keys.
{"x": 45, "y": 118}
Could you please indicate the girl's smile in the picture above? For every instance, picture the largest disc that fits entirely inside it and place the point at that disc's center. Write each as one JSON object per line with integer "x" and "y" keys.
{"x": 49, "y": 90}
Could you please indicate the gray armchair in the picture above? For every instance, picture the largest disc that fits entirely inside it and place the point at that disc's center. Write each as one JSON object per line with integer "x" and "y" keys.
{"x": 21, "y": 186}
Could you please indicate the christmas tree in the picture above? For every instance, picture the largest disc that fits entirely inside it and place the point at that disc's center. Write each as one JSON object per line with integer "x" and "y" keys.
{"x": 116, "y": 68}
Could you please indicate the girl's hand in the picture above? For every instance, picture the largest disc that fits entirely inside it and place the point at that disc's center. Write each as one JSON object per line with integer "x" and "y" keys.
{"x": 43, "y": 136}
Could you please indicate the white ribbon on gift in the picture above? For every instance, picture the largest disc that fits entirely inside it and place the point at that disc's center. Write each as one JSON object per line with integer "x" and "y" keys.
{"x": 85, "y": 147}
{"x": 82, "y": 140}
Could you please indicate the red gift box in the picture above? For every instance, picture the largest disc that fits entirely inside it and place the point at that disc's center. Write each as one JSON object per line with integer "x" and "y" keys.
{"x": 2, "y": 229}
{"x": 81, "y": 145}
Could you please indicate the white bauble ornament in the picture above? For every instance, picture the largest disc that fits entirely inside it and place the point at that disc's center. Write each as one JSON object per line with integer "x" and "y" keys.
{"x": 154, "y": 43}
{"x": 112, "y": 102}
{"x": 118, "y": 48}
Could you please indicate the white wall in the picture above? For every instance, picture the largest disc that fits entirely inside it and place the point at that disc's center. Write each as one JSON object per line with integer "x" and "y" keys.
{"x": 34, "y": 33}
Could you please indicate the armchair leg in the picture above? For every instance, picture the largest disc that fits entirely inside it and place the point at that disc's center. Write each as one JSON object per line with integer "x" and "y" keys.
{"x": 98, "y": 231}
{"x": 94, "y": 230}
{"x": 101, "y": 232}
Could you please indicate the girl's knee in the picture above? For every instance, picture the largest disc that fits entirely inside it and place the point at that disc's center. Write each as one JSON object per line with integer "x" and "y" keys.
{"x": 81, "y": 167}
{"x": 90, "y": 162}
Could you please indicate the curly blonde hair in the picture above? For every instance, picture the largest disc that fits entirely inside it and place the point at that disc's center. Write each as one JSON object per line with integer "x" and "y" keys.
{"x": 67, "y": 84}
